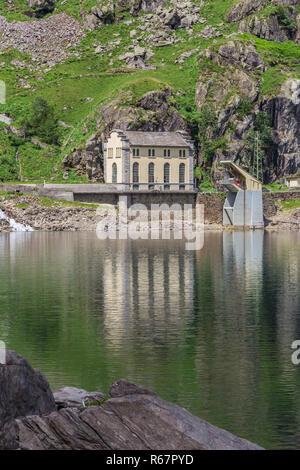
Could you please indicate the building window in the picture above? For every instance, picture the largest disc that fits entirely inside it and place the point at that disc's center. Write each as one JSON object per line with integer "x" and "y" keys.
{"x": 167, "y": 176}
{"x": 119, "y": 152}
{"x": 167, "y": 153}
{"x": 151, "y": 153}
{"x": 135, "y": 175}
{"x": 136, "y": 152}
{"x": 182, "y": 153}
{"x": 151, "y": 175}
{"x": 182, "y": 176}
{"x": 114, "y": 173}
{"x": 135, "y": 172}
{"x": 110, "y": 153}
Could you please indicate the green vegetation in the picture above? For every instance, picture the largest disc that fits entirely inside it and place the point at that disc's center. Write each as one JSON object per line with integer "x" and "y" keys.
{"x": 286, "y": 19}
{"x": 257, "y": 143}
{"x": 277, "y": 186}
{"x": 289, "y": 204}
{"x": 75, "y": 90}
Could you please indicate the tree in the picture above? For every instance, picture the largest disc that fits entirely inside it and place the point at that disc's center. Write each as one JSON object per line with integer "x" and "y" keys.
{"x": 42, "y": 122}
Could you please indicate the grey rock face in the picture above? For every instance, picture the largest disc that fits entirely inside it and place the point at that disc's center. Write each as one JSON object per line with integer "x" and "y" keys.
{"x": 245, "y": 8}
{"x": 285, "y": 115}
{"x": 71, "y": 397}
{"x": 273, "y": 27}
{"x": 136, "y": 419}
{"x": 134, "y": 6}
{"x": 236, "y": 53}
{"x": 267, "y": 28}
{"x": 240, "y": 63}
{"x": 23, "y": 390}
{"x": 87, "y": 159}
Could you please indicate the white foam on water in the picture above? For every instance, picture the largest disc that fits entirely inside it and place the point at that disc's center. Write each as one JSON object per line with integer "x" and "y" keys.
{"x": 16, "y": 227}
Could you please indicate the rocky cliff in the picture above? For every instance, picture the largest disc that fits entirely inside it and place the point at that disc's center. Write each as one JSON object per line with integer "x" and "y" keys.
{"x": 227, "y": 71}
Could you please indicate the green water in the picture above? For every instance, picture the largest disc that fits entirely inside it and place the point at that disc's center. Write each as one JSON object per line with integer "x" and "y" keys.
{"x": 209, "y": 330}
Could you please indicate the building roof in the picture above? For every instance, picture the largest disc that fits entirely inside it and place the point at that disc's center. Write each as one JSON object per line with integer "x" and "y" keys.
{"x": 157, "y": 139}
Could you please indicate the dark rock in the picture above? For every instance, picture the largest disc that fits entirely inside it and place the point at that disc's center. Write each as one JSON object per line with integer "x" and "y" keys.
{"x": 42, "y": 7}
{"x": 285, "y": 121}
{"x": 23, "y": 391}
{"x": 135, "y": 420}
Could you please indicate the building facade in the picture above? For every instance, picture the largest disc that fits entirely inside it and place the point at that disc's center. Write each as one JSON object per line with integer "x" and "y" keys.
{"x": 293, "y": 181}
{"x": 135, "y": 160}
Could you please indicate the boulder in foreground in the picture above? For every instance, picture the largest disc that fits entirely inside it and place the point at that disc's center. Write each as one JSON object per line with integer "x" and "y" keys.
{"x": 23, "y": 390}
{"x": 134, "y": 418}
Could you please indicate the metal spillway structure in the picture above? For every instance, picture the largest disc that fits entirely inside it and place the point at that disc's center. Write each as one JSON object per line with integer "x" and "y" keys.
{"x": 244, "y": 204}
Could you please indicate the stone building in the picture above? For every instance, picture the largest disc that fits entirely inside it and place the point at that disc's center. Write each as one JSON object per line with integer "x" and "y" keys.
{"x": 163, "y": 161}
{"x": 293, "y": 181}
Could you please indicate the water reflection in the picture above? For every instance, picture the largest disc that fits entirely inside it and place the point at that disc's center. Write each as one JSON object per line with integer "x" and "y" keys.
{"x": 210, "y": 330}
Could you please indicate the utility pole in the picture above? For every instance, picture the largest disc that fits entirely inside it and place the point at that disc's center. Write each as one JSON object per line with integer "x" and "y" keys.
{"x": 257, "y": 160}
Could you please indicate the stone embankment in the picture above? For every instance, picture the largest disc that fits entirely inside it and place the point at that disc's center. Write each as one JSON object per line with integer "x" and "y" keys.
{"x": 53, "y": 215}
{"x": 131, "y": 418}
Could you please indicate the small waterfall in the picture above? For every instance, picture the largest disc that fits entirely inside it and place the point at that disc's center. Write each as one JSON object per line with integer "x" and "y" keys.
{"x": 16, "y": 227}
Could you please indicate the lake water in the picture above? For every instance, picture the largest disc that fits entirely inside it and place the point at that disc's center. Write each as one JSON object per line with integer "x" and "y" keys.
{"x": 210, "y": 330}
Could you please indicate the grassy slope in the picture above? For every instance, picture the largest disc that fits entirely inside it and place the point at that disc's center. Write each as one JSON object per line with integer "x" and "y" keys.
{"x": 67, "y": 86}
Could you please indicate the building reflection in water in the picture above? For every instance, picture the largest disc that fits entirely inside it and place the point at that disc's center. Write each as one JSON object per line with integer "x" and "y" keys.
{"x": 147, "y": 283}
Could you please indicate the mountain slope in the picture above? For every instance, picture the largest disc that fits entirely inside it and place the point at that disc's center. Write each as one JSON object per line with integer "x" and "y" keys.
{"x": 228, "y": 71}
